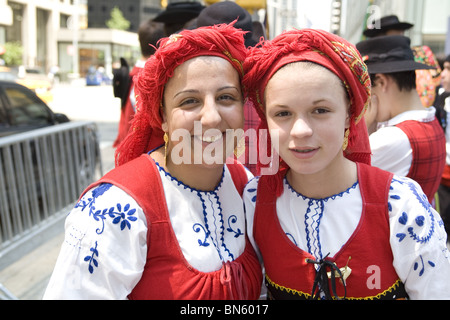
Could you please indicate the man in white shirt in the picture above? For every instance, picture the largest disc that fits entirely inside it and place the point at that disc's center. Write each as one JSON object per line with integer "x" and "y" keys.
{"x": 405, "y": 138}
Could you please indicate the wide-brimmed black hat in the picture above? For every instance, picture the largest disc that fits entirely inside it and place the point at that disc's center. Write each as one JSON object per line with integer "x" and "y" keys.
{"x": 226, "y": 12}
{"x": 385, "y": 24}
{"x": 179, "y": 12}
{"x": 389, "y": 54}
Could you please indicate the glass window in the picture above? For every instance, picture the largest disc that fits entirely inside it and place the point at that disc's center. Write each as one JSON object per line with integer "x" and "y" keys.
{"x": 3, "y": 119}
{"x": 26, "y": 109}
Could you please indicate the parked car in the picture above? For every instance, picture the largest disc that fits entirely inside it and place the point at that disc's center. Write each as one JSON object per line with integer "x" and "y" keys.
{"x": 41, "y": 171}
{"x": 32, "y": 78}
{"x": 22, "y": 110}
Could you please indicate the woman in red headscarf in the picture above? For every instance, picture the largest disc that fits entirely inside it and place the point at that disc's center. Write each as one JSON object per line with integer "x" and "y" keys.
{"x": 168, "y": 222}
{"x": 327, "y": 225}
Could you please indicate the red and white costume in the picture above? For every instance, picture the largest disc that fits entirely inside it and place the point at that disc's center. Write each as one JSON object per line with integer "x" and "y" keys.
{"x": 162, "y": 239}
{"x": 382, "y": 228}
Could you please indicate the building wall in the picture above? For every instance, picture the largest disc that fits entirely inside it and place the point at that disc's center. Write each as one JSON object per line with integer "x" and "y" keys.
{"x": 35, "y": 25}
{"x": 430, "y": 18}
{"x": 46, "y": 30}
{"x": 135, "y": 11}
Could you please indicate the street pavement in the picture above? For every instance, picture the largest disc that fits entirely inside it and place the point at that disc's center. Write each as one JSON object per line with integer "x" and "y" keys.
{"x": 27, "y": 278}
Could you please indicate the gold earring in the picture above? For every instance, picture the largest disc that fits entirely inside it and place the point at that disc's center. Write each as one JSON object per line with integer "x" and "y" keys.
{"x": 345, "y": 144}
{"x": 240, "y": 148}
{"x": 166, "y": 141}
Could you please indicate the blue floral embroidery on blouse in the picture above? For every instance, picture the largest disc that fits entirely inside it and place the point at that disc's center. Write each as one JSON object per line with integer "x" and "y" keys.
{"x": 211, "y": 198}
{"x": 121, "y": 215}
{"x": 422, "y": 265}
{"x": 197, "y": 228}
{"x": 232, "y": 220}
{"x": 91, "y": 259}
{"x": 219, "y": 240}
{"x": 90, "y": 202}
{"x": 414, "y": 225}
{"x": 313, "y": 217}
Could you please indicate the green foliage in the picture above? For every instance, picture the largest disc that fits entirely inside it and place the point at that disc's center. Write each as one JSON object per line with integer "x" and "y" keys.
{"x": 13, "y": 54}
{"x": 117, "y": 20}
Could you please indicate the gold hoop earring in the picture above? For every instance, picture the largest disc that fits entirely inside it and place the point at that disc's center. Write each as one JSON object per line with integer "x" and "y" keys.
{"x": 345, "y": 144}
{"x": 166, "y": 141}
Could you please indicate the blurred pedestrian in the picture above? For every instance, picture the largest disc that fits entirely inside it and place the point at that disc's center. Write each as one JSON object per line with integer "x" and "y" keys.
{"x": 328, "y": 225}
{"x": 156, "y": 227}
{"x": 149, "y": 33}
{"x": 409, "y": 141}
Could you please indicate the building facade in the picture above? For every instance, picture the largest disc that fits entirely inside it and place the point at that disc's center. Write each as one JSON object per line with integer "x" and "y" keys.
{"x": 35, "y": 25}
{"x": 55, "y": 33}
{"x": 135, "y": 11}
{"x": 348, "y": 18}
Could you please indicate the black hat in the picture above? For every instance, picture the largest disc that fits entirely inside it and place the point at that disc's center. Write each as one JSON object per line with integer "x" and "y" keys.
{"x": 179, "y": 12}
{"x": 227, "y": 12}
{"x": 385, "y": 24}
{"x": 389, "y": 54}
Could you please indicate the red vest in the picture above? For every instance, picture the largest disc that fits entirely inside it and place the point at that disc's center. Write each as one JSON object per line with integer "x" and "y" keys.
{"x": 167, "y": 275}
{"x": 427, "y": 140}
{"x": 367, "y": 252}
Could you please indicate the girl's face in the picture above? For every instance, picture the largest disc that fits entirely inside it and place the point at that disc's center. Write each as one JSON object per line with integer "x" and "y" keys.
{"x": 202, "y": 101}
{"x": 308, "y": 106}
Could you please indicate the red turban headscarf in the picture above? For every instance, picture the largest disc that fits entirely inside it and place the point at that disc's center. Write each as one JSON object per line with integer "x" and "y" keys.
{"x": 327, "y": 50}
{"x": 146, "y": 133}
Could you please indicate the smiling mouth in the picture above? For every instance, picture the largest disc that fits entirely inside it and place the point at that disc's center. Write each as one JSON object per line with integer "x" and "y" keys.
{"x": 211, "y": 139}
{"x": 304, "y": 150}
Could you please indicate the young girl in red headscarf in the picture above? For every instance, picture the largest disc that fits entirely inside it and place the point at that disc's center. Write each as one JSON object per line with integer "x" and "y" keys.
{"x": 328, "y": 225}
{"x": 167, "y": 223}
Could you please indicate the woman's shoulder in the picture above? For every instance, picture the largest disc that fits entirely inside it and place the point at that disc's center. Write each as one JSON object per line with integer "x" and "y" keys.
{"x": 106, "y": 202}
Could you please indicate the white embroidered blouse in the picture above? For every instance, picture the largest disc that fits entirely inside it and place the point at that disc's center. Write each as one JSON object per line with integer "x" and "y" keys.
{"x": 105, "y": 246}
{"x": 322, "y": 226}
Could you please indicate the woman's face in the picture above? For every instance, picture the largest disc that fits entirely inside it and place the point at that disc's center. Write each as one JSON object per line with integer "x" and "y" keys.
{"x": 308, "y": 106}
{"x": 202, "y": 102}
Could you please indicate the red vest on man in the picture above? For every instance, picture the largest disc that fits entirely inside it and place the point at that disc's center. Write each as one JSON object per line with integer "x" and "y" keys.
{"x": 427, "y": 141}
{"x": 367, "y": 252}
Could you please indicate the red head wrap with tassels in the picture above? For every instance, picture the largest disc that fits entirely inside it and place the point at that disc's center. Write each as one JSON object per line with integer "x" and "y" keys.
{"x": 146, "y": 133}
{"x": 327, "y": 50}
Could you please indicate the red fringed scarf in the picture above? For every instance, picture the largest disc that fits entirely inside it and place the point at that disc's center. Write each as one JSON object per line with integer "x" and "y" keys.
{"x": 327, "y": 50}
{"x": 145, "y": 134}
